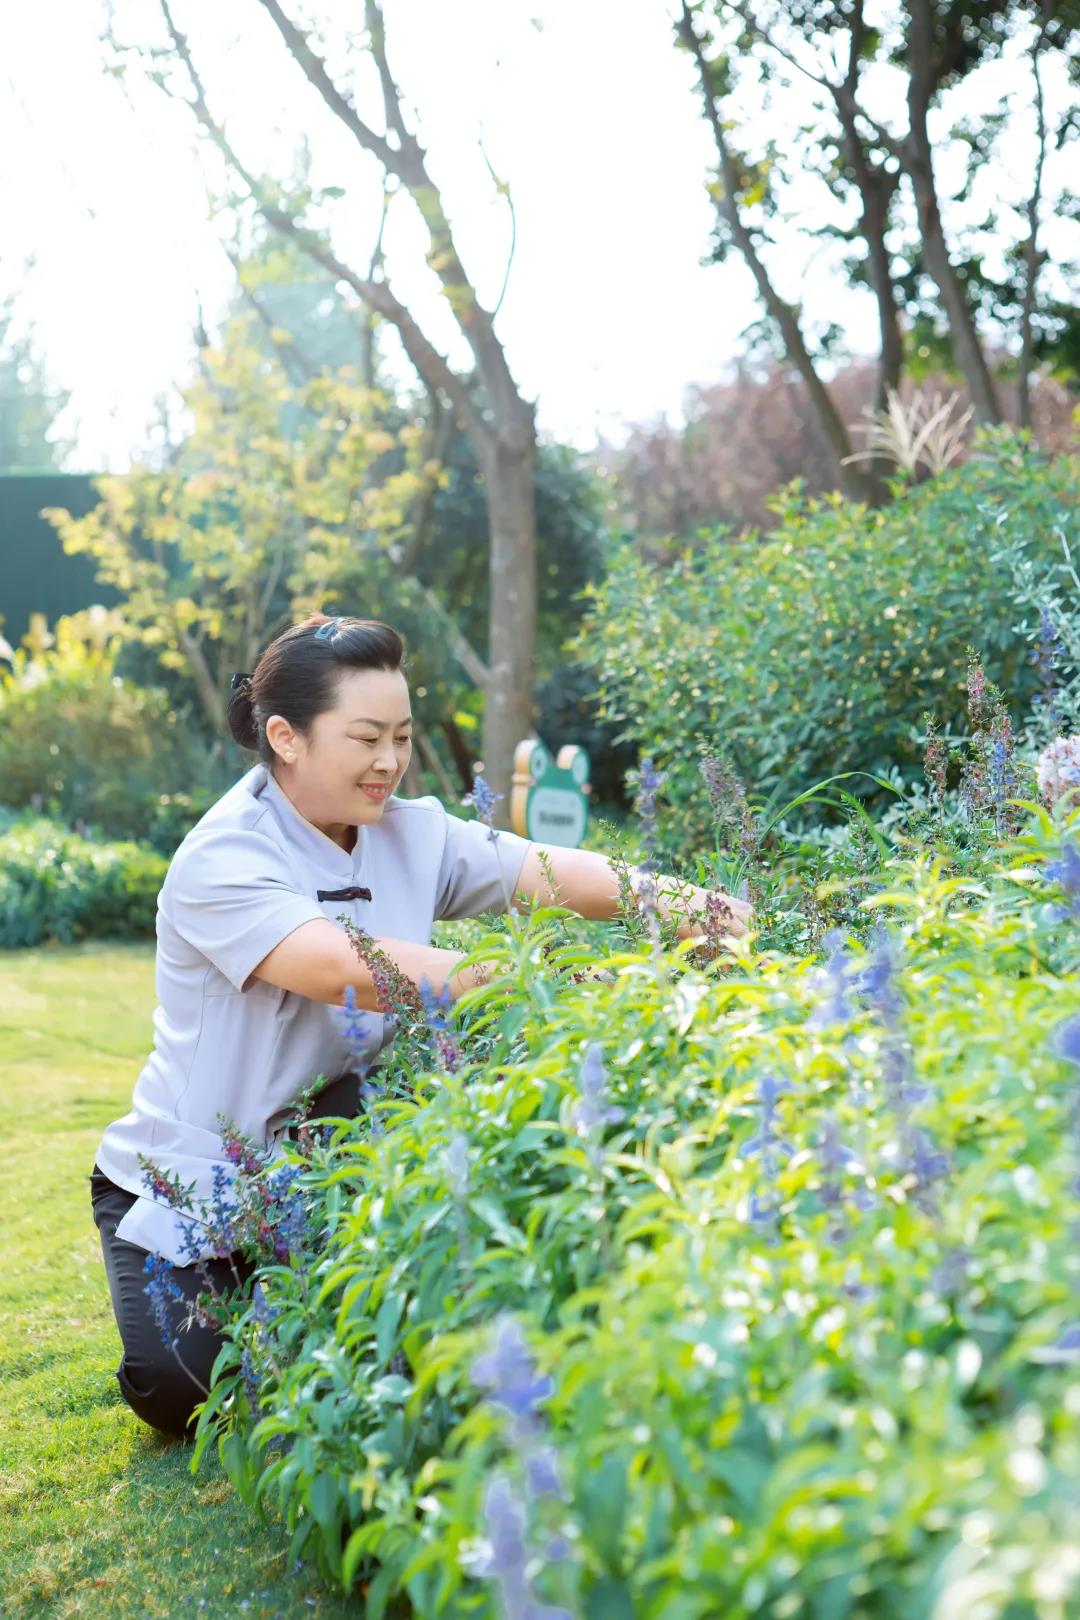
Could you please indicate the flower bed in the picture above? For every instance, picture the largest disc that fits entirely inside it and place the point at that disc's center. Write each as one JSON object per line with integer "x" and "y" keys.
{"x": 685, "y": 1289}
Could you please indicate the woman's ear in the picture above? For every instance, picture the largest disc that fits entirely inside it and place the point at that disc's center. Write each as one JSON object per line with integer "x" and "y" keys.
{"x": 282, "y": 738}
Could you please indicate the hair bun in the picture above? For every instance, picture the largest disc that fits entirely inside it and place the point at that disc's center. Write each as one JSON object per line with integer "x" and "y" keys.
{"x": 315, "y": 621}
{"x": 240, "y": 713}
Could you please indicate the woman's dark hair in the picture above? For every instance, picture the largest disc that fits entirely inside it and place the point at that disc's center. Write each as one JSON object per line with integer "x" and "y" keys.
{"x": 298, "y": 674}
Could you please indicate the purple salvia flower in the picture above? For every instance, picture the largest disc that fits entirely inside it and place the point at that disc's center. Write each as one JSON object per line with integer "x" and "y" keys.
{"x": 456, "y": 1161}
{"x": 164, "y": 1186}
{"x": 727, "y": 796}
{"x": 650, "y": 780}
{"x": 251, "y": 1378}
{"x": 1065, "y": 872}
{"x": 935, "y": 763}
{"x": 162, "y": 1290}
{"x": 508, "y": 1374}
{"x": 1001, "y": 773}
{"x": 220, "y": 1226}
{"x": 483, "y": 801}
{"x": 239, "y": 1149}
{"x": 1066, "y": 1348}
{"x": 833, "y": 983}
{"x": 1068, "y": 1041}
{"x": 542, "y": 1473}
{"x": 593, "y": 1112}
{"x": 262, "y": 1309}
{"x": 855, "y": 1289}
{"x": 835, "y": 1158}
{"x": 950, "y": 1274}
{"x": 356, "y": 1028}
{"x": 1045, "y": 659}
{"x": 287, "y": 1215}
{"x": 762, "y": 1208}
{"x": 437, "y": 1005}
{"x": 765, "y": 1141}
{"x": 927, "y": 1165}
{"x": 190, "y": 1243}
{"x": 761, "y": 1212}
{"x": 878, "y": 982}
{"x": 505, "y": 1559}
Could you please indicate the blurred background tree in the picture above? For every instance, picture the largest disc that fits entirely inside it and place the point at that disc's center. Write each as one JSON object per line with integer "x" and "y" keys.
{"x": 819, "y": 88}
{"x": 29, "y": 403}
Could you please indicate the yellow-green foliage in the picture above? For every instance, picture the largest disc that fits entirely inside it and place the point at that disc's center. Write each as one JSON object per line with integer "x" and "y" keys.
{"x": 249, "y": 523}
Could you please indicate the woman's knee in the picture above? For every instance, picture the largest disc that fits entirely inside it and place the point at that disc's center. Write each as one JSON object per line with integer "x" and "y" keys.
{"x": 163, "y": 1390}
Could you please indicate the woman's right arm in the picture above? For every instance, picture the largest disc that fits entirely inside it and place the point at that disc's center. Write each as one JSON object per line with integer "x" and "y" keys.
{"x": 317, "y": 961}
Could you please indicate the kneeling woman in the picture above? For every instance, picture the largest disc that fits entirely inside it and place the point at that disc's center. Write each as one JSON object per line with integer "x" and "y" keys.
{"x": 252, "y": 968}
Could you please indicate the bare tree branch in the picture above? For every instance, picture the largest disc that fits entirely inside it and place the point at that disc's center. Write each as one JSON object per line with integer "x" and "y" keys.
{"x": 391, "y": 158}
{"x": 391, "y": 95}
{"x": 428, "y": 362}
{"x": 406, "y": 161}
{"x": 504, "y": 191}
{"x": 375, "y": 269}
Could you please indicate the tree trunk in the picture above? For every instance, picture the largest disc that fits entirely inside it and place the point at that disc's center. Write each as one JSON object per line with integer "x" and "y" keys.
{"x": 460, "y": 752}
{"x": 857, "y": 483}
{"x": 876, "y": 187}
{"x": 509, "y": 466}
{"x": 1033, "y": 255}
{"x": 919, "y": 164}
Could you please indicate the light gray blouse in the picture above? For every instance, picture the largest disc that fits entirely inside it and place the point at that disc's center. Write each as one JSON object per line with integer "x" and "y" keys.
{"x": 243, "y": 879}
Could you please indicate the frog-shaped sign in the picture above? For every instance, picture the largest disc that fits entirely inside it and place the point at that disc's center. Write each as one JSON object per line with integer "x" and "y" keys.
{"x": 549, "y": 801}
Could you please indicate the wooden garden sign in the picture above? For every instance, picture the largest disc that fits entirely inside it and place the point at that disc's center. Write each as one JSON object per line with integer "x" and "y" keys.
{"x": 549, "y": 798}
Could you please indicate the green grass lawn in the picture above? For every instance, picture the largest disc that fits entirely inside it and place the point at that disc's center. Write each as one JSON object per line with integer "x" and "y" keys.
{"x": 99, "y": 1515}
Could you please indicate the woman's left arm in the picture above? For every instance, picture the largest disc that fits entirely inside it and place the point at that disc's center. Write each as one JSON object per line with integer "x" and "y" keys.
{"x": 587, "y": 883}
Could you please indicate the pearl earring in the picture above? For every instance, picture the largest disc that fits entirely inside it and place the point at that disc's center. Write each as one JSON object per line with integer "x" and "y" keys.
{"x": 290, "y": 758}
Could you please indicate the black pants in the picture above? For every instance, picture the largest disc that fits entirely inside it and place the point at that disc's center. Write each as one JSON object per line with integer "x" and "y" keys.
{"x": 159, "y": 1385}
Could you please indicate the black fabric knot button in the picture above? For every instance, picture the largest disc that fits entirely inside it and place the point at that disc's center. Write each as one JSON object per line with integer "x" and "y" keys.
{"x": 343, "y": 894}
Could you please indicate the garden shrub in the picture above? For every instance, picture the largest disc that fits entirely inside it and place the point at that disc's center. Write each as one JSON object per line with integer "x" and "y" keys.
{"x": 79, "y": 742}
{"x": 818, "y": 647}
{"x": 56, "y": 885}
{"x": 748, "y": 1289}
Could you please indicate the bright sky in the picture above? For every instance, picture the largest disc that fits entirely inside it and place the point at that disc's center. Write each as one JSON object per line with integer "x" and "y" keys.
{"x": 583, "y": 106}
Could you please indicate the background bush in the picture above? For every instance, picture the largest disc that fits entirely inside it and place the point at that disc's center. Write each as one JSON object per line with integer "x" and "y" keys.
{"x": 817, "y": 648}
{"x": 82, "y": 743}
{"x": 56, "y": 885}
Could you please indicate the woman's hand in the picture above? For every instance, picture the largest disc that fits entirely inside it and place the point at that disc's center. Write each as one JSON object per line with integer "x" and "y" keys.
{"x": 708, "y": 915}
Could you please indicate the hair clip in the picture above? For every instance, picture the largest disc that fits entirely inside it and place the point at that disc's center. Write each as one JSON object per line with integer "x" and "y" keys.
{"x": 325, "y": 631}
{"x": 238, "y": 680}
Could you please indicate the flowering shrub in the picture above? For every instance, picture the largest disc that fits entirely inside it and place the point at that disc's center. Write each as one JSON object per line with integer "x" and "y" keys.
{"x": 817, "y": 648}
{"x": 742, "y": 1287}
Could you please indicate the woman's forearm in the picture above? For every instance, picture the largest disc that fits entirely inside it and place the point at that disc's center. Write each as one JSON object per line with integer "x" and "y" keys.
{"x": 587, "y": 882}
{"x": 316, "y": 960}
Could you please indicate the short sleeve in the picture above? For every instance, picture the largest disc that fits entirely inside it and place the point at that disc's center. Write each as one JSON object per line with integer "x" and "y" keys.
{"x": 477, "y": 872}
{"x": 230, "y": 895}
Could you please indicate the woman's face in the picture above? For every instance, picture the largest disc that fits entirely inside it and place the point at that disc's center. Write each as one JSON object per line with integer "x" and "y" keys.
{"x": 354, "y": 754}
